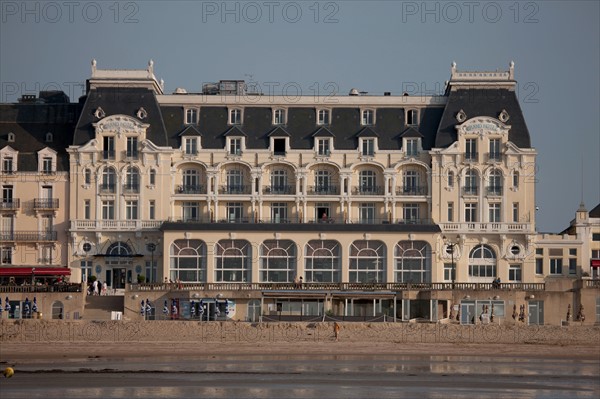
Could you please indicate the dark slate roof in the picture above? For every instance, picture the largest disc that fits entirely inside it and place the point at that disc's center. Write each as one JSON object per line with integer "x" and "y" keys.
{"x": 30, "y": 123}
{"x": 125, "y": 101}
{"x": 595, "y": 213}
{"x": 411, "y": 132}
{"x": 483, "y": 102}
{"x": 301, "y": 127}
{"x": 234, "y": 131}
{"x": 367, "y": 132}
{"x": 190, "y": 131}
{"x": 279, "y": 132}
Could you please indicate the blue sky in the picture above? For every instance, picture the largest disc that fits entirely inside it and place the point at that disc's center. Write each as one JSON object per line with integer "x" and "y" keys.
{"x": 375, "y": 46}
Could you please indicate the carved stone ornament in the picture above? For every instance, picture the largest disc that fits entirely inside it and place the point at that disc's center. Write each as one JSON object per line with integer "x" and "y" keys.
{"x": 503, "y": 116}
{"x": 483, "y": 125}
{"x": 461, "y": 116}
{"x": 120, "y": 124}
{"x": 141, "y": 113}
{"x": 99, "y": 113}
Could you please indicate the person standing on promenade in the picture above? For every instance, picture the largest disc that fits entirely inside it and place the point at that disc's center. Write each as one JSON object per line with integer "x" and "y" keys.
{"x": 336, "y": 331}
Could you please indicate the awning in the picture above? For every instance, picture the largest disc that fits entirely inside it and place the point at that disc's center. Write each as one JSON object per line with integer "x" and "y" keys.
{"x": 39, "y": 271}
{"x": 595, "y": 262}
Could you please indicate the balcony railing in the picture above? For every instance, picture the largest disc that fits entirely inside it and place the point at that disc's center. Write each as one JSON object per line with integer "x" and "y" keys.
{"x": 115, "y": 225}
{"x": 494, "y": 190}
{"x": 411, "y": 190}
{"x": 494, "y": 157}
{"x": 10, "y": 204}
{"x": 45, "y": 203}
{"x": 235, "y": 189}
{"x": 367, "y": 190}
{"x": 130, "y": 155}
{"x": 190, "y": 189}
{"x": 131, "y": 188}
{"x": 107, "y": 188}
{"x": 323, "y": 190}
{"x": 31, "y": 236}
{"x": 279, "y": 190}
{"x": 470, "y": 190}
{"x": 486, "y": 227}
{"x": 592, "y": 283}
{"x": 345, "y": 287}
{"x": 108, "y": 154}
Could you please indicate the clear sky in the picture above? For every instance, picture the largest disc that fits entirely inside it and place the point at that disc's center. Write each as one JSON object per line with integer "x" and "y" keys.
{"x": 374, "y": 46}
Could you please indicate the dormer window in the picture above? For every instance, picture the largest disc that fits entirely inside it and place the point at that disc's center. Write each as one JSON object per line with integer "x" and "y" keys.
{"x": 191, "y": 116}
{"x": 47, "y": 167}
{"x": 412, "y": 117}
{"x": 235, "y": 116}
{"x": 368, "y": 117}
{"x": 190, "y": 145}
{"x": 323, "y": 147}
{"x": 11, "y": 137}
{"x": 7, "y": 165}
{"x": 323, "y": 117}
{"x": 279, "y": 145}
{"x": 49, "y": 137}
{"x": 279, "y": 117}
{"x": 235, "y": 146}
{"x": 368, "y": 147}
{"x": 412, "y": 147}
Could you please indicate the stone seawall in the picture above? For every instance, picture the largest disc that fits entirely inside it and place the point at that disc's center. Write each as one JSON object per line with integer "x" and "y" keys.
{"x": 93, "y": 332}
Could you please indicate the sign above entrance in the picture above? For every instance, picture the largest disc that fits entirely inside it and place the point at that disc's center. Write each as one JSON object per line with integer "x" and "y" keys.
{"x": 483, "y": 125}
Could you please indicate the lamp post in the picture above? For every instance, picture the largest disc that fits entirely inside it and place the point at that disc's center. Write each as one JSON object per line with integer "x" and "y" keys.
{"x": 151, "y": 247}
{"x": 450, "y": 250}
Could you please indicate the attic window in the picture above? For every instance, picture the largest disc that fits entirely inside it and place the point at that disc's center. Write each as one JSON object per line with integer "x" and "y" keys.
{"x": 49, "y": 138}
{"x": 11, "y": 137}
{"x": 412, "y": 117}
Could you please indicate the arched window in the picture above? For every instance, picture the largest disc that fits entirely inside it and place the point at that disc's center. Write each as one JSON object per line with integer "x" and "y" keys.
{"x": 323, "y": 261}
{"x": 119, "y": 248}
{"x": 412, "y": 262}
{"x": 277, "y": 261}
{"x": 367, "y": 261}
{"x": 109, "y": 179}
{"x": 495, "y": 183}
{"x": 233, "y": 261}
{"x": 450, "y": 179}
{"x": 191, "y": 182}
{"x": 132, "y": 180}
{"x": 187, "y": 261}
{"x": 482, "y": 262}
{"x": 57, "y": 310}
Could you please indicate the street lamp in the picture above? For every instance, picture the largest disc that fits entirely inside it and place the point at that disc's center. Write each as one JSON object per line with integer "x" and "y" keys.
{"x": 151, "y": 247}
{"x": 450, "y": 250}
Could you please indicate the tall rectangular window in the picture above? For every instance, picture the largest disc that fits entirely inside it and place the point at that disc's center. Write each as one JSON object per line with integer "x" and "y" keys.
{"x": 555, "y": 266}
{"x": 131, "y": 210}
{"x": 515, "y": 212}
{"x": 367, "y": 213}
{"x": 471, "y": 149}
{"x": 86, "y": 270}
{"x": 190, "y": 212}
{"x": 539, "y": 266}
{"x": 515, "y": 177}
{"x": 323, "y": 146}
{"x": 279, "y": 212}
{"x": 235, "y": 117}
{"x": 448, "y": 271}
{"x": 152, "y": 210}
{"x": 132, "y": 148}
{"x": 572, "y": 265}
{"x": 471, "y": 212}
{"x": 412, "y": 117}
{"x": 235, "y": 146}
{"x": 108, "y": 210}
{"x": 368, "y": 147}
{"x": 87, "y": 210}
{"x": 323, "y": 117}
{"x": 412, "y": 147}
{"x": 7, "y": 194}
{"x": 6, "y": 255}
{"x": 191, "y": 146}
{"x": 235, "y": 212}
{"x": 191, "y": 116}
{"x": 47, "y": 165}
{"x": 514, "y": 273}
{"x": 279, "y": 117}
{"x": 108, "y": 148}
{"x": 411, "y": 212}
{"x": 7, "y": 165}
{"x": 495, "y": 149}
{"x": 494, "y": 213}
{"x": 450, "y": 211}
{"x": 368, "y": 117}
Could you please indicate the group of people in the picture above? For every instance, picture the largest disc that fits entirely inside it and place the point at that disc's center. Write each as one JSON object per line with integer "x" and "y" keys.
{"x": 298, "y": 281}
{"x": 98, "y": 288}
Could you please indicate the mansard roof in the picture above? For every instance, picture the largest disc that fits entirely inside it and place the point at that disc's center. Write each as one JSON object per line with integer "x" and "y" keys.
{"x": 30, "y": 122}
{"x": 124, "y": 101}
{"x": 367, "y": 132}
{"x": 190, "y": 131}
{"x": 411, "y": 132}
{"x": 483, "y": 102}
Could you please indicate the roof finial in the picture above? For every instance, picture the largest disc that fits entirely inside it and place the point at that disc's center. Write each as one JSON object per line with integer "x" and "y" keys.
{"x": 93, "y": 66}
{"x": 453, "y": 69}
{"x": 511, "y": 70}
{"x": 151, "y": 67}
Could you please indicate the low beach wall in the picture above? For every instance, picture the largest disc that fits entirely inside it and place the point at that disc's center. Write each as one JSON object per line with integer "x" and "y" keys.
{"x": 92, "y": 332}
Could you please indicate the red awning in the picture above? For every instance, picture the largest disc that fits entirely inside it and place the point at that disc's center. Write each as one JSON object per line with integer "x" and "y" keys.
{"x": 595, "y": 262}
{"x": 39, "y": 271}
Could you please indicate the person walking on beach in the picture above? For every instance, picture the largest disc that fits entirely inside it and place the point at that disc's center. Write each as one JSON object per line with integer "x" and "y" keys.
{"x": 95, "y": 286}
{"x": 336, "y": 331}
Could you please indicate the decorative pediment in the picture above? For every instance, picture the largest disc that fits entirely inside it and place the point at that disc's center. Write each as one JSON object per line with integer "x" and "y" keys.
{"x": 483, "y": 125}
{"x": 120, "y": 124}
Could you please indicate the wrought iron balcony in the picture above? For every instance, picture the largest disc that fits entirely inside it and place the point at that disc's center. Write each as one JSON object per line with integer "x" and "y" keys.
{"x": 235, "y": 189}
{"x": 45, "y": 203}
{"x": 279, "y": 190}
{"x": 412, "y": 190}
{"x": 9, "y": 204}
{"x": 367, "y": 190}
{"x": 494, "y": 190}
{"x": 470, "y": 190}
{"x": 28, "y": 236}
{"x": 131, "y": 188}
{"x": 323, "y": 190}
{"x": 190, "y": 189}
